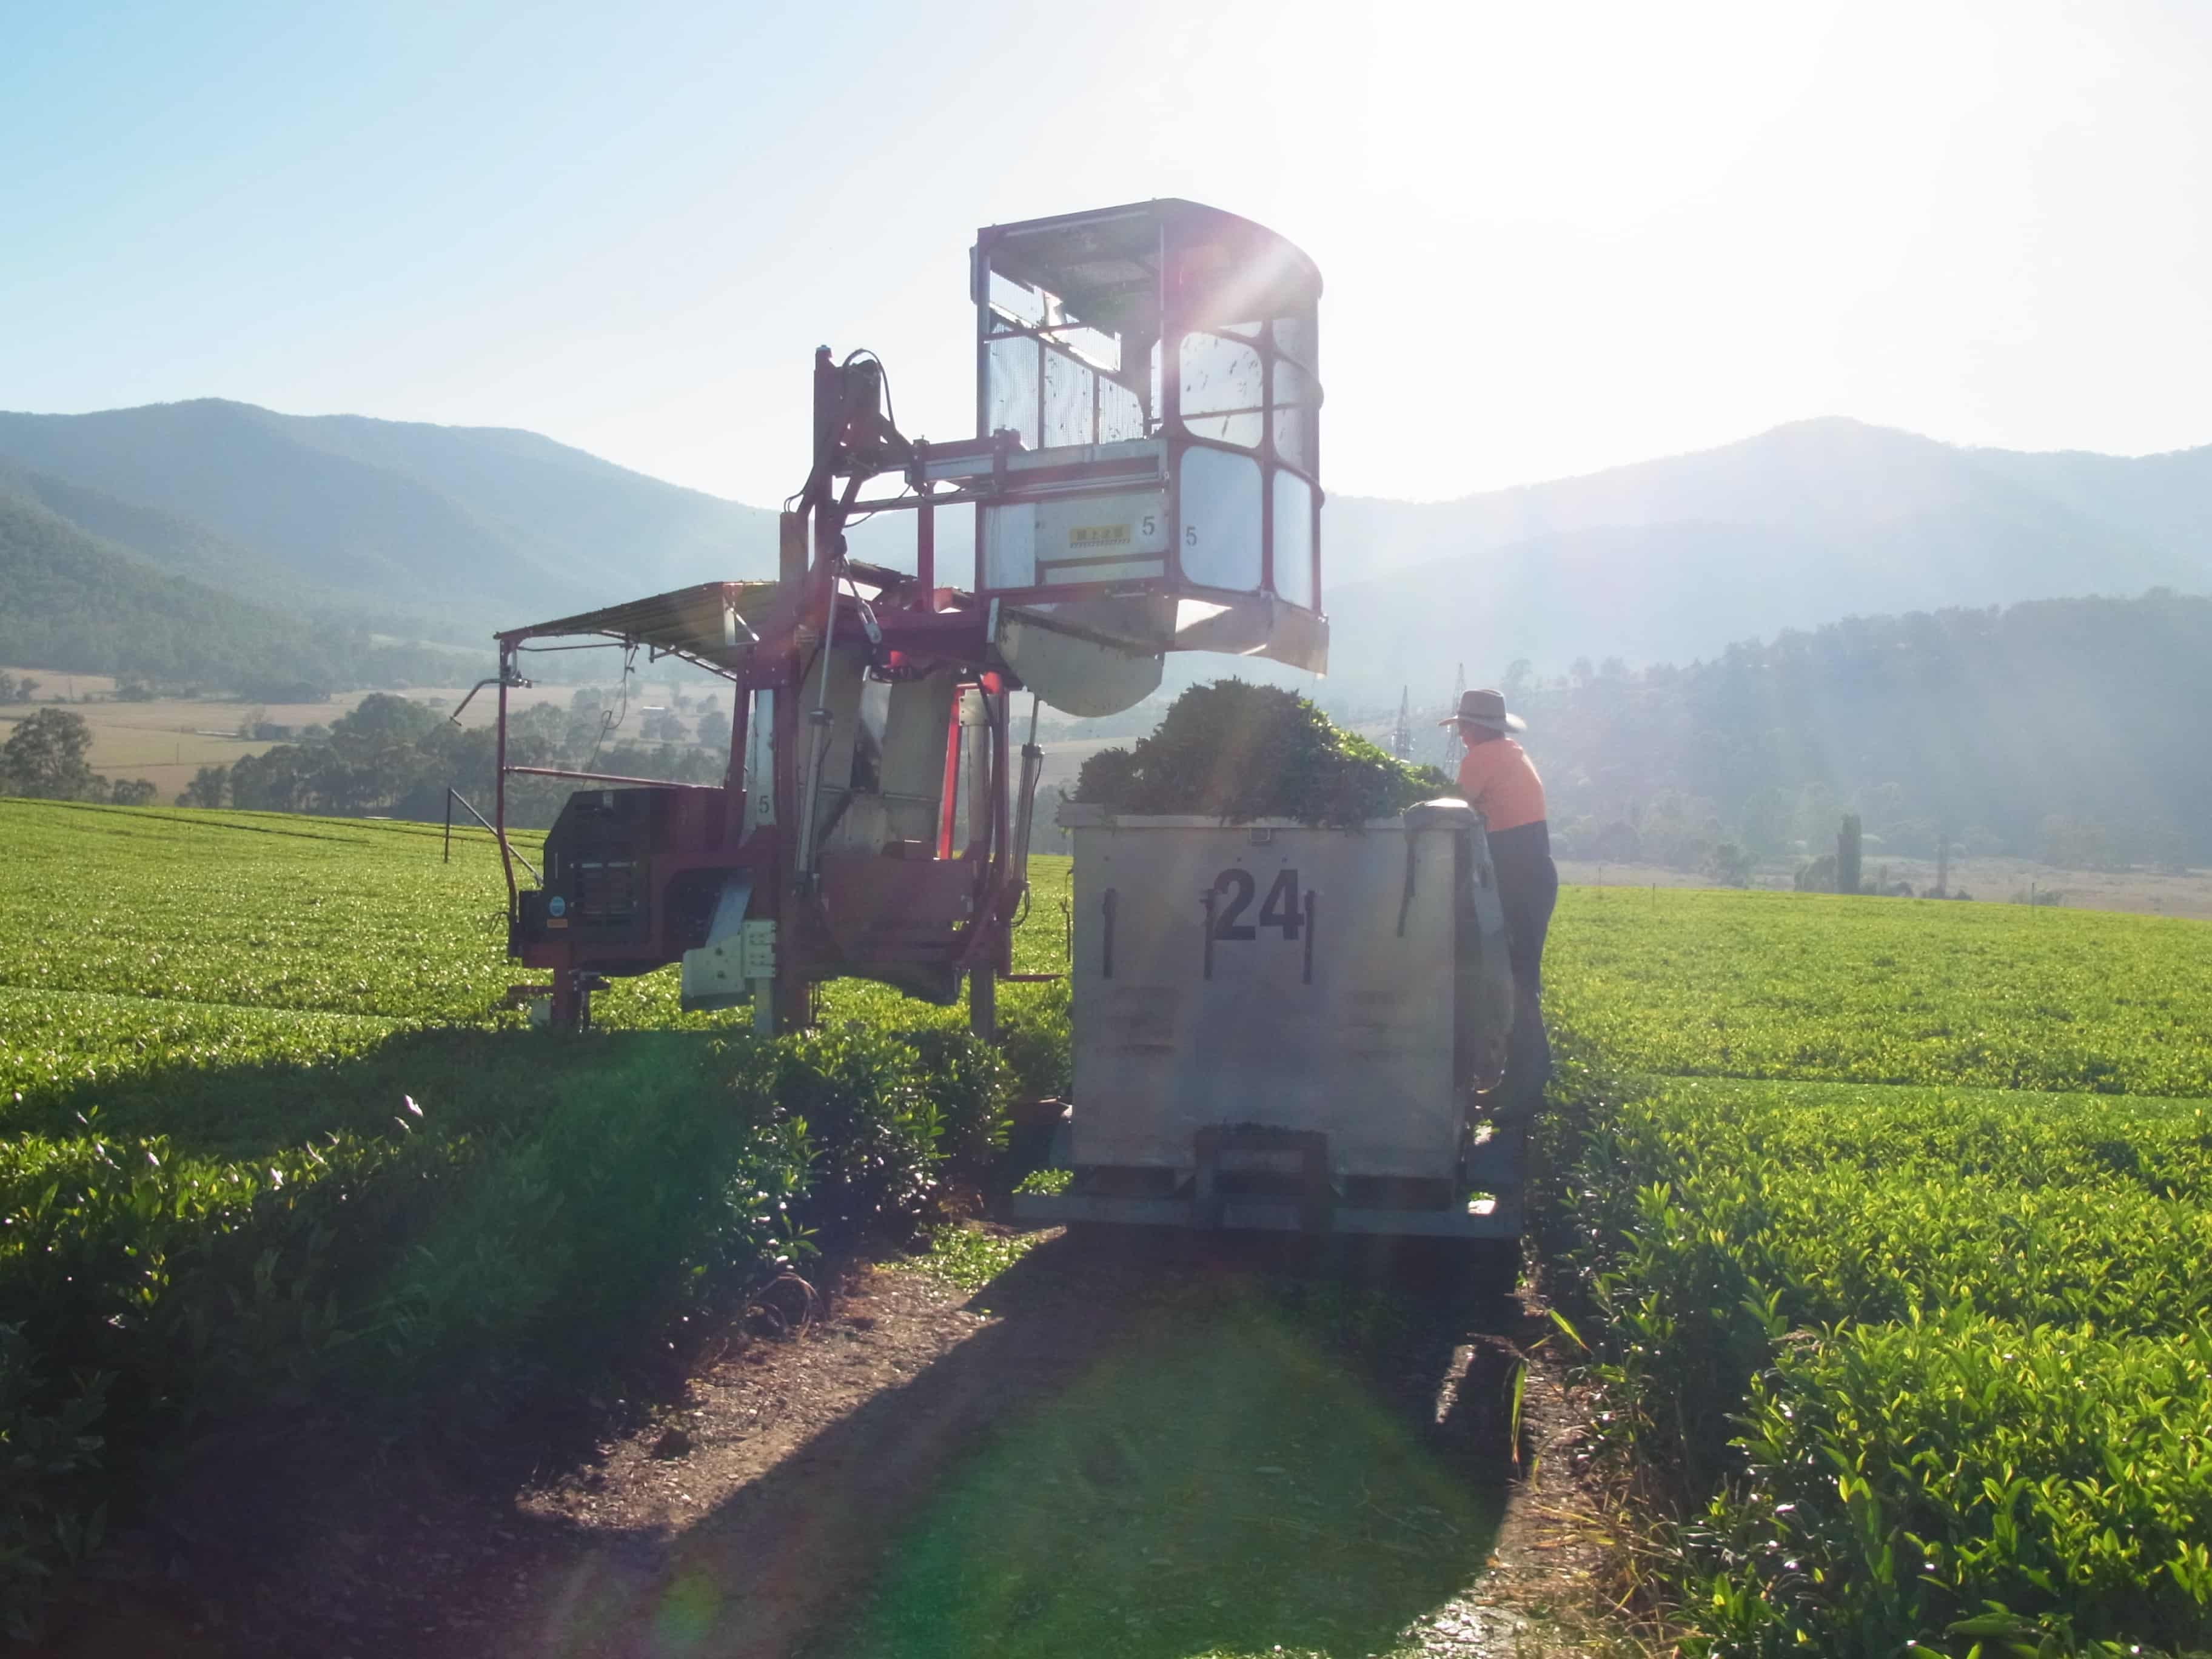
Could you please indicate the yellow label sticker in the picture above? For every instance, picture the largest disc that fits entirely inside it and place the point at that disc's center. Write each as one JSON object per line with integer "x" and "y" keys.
{"x": 1098, "y": 535}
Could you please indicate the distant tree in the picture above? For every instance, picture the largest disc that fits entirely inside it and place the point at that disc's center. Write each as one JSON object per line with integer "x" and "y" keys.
{"x": 542, "y": 725}
{"x": 209, "y": 785}
{"x": 382, "y": 719}
{"x": 259, "y": 689}
{"x": 714, "y": 730}
{"x": 1766, "y": 822}
{"x": 1678, "y": 830}
{"x": 1729, "y": 865}
{"x": 1819, "y": 876}
{"x": 1618, "y": 843}
{"x": 44, "y": 758}
{"x": 286, "y": 779}
{"x": 662, "y": 725}
{"x": 1817, "y": 815}
{"x": 1850, "y": 842}
{"x": 133, "y": 691}
{"x": 8, "y": 693}
{"x": 135, "y": 791}
{"x": 586, "y": 725}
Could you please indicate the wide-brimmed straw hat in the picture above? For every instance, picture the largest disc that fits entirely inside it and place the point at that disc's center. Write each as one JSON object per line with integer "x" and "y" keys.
{"x": 1486, "y": 708}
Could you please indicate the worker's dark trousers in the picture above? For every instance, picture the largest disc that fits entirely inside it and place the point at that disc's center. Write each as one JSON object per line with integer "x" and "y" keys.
{"x": 1527, "y": 888}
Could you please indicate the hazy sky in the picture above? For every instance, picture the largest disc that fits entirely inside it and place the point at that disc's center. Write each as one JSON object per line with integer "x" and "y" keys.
{"x": 1555, "y": 236}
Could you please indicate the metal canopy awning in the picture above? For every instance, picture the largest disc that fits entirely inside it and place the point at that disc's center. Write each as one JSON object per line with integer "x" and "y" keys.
{"x": 1105, "y": 263}
{"x": 711, "y": 624}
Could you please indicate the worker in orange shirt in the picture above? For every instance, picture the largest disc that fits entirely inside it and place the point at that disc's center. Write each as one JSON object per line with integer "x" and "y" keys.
{"x": 1499, "y": 781}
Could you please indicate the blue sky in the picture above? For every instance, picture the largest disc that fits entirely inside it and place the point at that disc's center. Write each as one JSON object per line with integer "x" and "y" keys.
{"x": 1555, "y": 237}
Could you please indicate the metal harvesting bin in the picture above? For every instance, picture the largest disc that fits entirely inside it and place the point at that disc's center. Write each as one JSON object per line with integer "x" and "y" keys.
{"x": 1279, "y": 1026}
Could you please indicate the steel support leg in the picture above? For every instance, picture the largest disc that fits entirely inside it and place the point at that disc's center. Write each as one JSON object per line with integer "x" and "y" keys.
{"x": 984, "y": 1004}
{"x": 793, "y": 1001}
{"x": 570, "y": 1000}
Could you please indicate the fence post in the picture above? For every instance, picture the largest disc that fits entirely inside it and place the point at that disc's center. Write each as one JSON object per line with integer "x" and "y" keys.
{"x": 449, "y": 823}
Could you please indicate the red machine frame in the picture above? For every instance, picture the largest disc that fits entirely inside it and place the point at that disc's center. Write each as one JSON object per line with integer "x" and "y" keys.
{"x": 922, "y": 912}
{"x": 910, "y": 628}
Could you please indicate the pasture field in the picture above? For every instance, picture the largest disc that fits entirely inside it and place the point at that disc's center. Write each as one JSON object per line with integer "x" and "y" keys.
{"x": 168, "y": 739}
{"x": 1926, "y": 1361}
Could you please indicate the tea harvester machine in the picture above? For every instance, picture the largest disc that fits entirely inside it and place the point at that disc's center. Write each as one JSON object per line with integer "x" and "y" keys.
{"x": 1143, "y": 478}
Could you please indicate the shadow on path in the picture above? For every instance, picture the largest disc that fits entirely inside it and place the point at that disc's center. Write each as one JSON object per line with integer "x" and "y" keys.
{"x": 1156, "y": 1448}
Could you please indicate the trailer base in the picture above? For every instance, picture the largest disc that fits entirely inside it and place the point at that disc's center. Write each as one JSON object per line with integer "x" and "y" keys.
{"x": 1484, "y": 1218}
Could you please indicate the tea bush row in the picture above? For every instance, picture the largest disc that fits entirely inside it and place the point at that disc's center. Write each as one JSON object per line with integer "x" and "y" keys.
{"x": 1908, "y": 1353}
{"x": 225, "y": 921}
{"x": 1816, "y": 989}
{"x": 563, "y": 1198}
{"x": 259, "y": 910}
{"x": 268, "y": 1134}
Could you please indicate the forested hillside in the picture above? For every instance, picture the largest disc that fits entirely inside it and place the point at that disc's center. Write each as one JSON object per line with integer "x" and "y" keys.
{"x": 2073, "y": 730}
{"x": 1672, "y": 560}
{"x": 468, "y": 528}
{"x": 71, "y": 602}
{"x": 423, "y": 532}
{"x": 169, "y": 542}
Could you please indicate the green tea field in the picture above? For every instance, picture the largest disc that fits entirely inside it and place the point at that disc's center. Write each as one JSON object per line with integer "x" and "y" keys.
{"x": 1890, "y": 1221}
{"x": 1880, "y": 1227}
{"x": 267, "y": 1126}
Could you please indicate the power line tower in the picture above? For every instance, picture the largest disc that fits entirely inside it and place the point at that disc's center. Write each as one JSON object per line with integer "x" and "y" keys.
{"x": 1455, "y": 750}
{"x": 1401, "y": 735}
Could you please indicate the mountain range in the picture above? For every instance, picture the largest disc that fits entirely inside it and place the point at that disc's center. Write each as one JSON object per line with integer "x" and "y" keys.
{"x": 1676, "y": 559}
{"x": 438, "y": 533}
{"x": 450, "y": 528}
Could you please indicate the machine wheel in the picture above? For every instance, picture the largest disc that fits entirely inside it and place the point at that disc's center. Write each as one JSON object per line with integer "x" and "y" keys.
{"x": 1037, "y": 1137}
{"x": 1480, "y": 1268}
{"x": 1491, "y": 1266}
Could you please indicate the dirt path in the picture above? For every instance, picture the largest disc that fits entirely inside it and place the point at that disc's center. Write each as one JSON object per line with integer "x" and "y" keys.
{"x": 1143, "y": 1450}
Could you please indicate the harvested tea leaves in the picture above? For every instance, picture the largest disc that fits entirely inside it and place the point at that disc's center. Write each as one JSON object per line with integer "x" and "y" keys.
{"x": 1239, "y": 751}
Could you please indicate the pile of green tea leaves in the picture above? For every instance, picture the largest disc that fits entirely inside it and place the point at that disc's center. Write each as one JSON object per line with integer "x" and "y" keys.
{"x": 1239, "y": 752}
